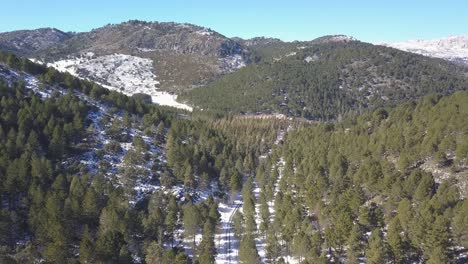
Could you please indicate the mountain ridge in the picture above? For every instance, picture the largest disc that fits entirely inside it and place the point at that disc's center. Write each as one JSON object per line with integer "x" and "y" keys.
{"x": 453, "y": 48}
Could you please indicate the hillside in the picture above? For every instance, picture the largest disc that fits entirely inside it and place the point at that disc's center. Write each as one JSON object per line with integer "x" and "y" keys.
{"x": 327, "y": 79}
{"x": 29, "y": 42}
{"x": 362, "y": 189}
{"x": 98, "y": 168}
{"x": 178, "y": 56}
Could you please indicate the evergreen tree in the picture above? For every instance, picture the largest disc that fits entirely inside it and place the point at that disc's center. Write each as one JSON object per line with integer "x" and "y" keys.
{"x": 191, "y": 221}
{"x": 300, "y": 245}
{"x": 207, "y": 247}
{"x": 154, "y": 253}
{"x": 248, "y": 253}
{"x": 396, "y": 241}
{"x": 354, "y": 248}
{"x": 460, "y": 224}
{"x": 86, "y": 247}
{"x": 375, "y": 252}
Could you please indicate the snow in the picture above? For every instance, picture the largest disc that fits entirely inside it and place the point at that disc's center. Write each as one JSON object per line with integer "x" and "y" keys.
{"x": 260, "y": 241}
{"x": 309, "y": 59}
{"x": 227, "y": 246}
{"x": 453, "y": 48}
{"x": 145, "y": 50}
{"x": 98, "y": 138}
{"x": 342, "y": 38}
{"x": 231, "y": 63}
{"x": 124, "y": 73}
{"x": 204, "y": 32}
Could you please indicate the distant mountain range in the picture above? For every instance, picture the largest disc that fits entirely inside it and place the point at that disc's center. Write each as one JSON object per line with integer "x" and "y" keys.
{"x": 453, "y": 48}
{"x": 321, "y": 78}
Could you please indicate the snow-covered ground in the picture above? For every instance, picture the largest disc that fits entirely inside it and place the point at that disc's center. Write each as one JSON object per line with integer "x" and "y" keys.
{"x": 232, "y": 63}
{"x": 453, "y": 48}
{"x": 124, "y": 73}
{"x": 227, "y": 246}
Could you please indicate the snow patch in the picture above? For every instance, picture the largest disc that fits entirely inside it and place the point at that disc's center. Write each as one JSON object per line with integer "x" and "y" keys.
{"x": 204, "y": 32}
{"x": 231, "y": 63}
{"x": 453, "y": 48}
{"x": 124, "y": 73}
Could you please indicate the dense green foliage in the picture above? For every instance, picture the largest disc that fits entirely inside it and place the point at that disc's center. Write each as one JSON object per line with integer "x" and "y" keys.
{"x": 219, "y": 152}
{"x": 326, "y": 80}
{"x": 357, "y": 189}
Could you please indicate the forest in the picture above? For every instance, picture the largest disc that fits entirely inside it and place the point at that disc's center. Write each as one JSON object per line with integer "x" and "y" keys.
{"x": 326, "y": 81}
{"x": 367, "y": 188}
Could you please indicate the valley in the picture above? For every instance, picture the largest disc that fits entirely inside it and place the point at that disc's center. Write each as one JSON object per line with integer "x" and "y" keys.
{"x": 161, "y": 142}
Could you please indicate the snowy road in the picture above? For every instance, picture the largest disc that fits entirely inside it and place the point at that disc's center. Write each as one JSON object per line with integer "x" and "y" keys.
{"x": 227, "y": 245}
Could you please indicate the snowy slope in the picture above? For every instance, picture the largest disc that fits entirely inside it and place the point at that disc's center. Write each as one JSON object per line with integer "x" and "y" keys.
{"x": 125, "y": 73}
{"x": 453, "y": 48}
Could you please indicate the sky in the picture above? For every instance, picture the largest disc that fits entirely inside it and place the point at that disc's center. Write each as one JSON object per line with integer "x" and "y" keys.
{"x": 367, "y": 20}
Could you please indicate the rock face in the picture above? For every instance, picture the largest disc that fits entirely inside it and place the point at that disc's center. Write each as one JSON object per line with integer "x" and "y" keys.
{"x": 454, "y": 48}
{"x": 142, "y": 37}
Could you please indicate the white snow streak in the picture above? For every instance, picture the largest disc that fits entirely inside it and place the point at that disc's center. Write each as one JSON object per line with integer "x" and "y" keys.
{"x": 124, "y": 73}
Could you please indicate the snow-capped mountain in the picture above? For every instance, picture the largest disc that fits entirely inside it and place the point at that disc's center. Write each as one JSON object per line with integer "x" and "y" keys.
{"x": 453, "y": 48}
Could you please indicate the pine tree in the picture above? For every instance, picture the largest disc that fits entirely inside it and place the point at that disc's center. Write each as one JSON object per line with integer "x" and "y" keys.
{"x": 264, "y": 212}
{"x": 405, "y": 213}
{"x": 191, "y": 221}
{"x": 154, "y": 253}
{"x": 300, "y": 245}
{"x": 207, "y": 246}
{"x": 108, "y": 245}
{"x": 57, "y": 144}
{"x": 248, "y": 253}
{"x": 395, "y": 240}
{"x": 91, "y": 204}
{"x": 375, "y": 252}
{"x": 437, "y": 256}
{"x": 272, "y": 245}
{"x": 460, "y": 224}
{"x": 171, "y": 217}
{"x": 238, "y": 224}
{"x": 235, "y": 182}
{"x": 189, "y": 177}
{"x": 86, "y": 247}
{"x": 438, "y": 236}
{"x": 354, "y": 245}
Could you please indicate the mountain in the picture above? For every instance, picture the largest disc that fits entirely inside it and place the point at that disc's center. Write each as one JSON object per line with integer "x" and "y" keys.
{"x": 453, "y": 48}
{"x": 327, "y": 78}
{"x": 135, "y": 56}
{"x": 28, "y": 42}
{"x": 180, "y": 64}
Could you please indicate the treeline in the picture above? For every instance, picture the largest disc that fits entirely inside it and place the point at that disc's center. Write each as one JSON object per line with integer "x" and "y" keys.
{"x": 357, "y": 190}
{"x": 326, "y": 81}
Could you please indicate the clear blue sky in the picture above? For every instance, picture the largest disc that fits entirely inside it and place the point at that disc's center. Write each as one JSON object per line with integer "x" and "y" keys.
{"x": 367, "y": 20}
